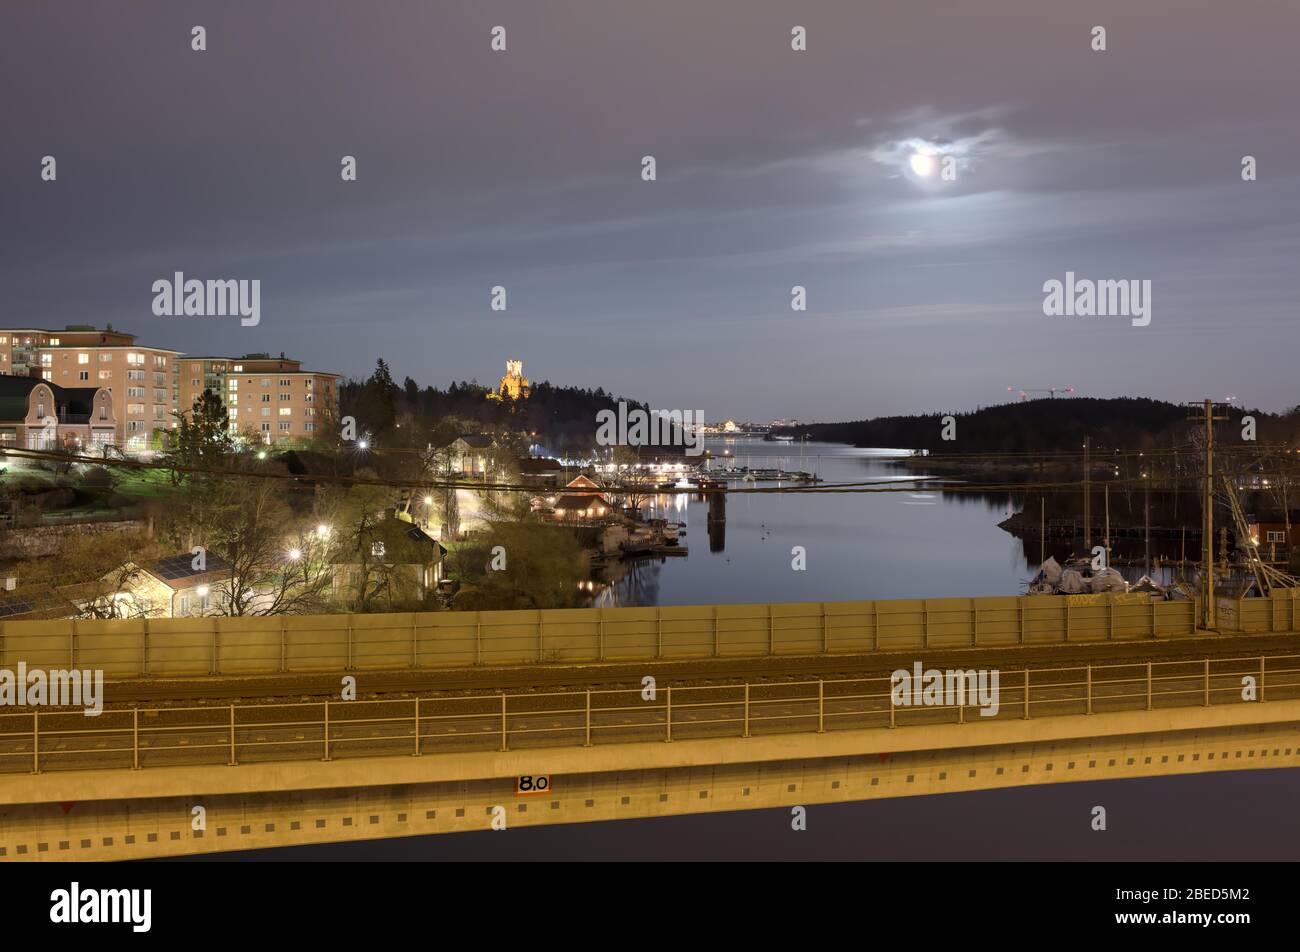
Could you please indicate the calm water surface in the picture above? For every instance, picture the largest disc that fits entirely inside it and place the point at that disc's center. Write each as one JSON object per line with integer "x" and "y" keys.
{"x": 917, "y": 544}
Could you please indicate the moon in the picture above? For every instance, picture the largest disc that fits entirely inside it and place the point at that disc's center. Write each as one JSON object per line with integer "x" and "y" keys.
{"x": 922, "y": 164}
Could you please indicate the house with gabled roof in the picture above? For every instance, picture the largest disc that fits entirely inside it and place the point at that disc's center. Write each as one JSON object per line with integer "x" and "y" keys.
{"x": 38, "y": 415}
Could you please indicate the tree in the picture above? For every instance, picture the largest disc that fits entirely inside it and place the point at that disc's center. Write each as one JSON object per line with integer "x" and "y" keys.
{"x": 278, "y": 566}
{"x": 543, "y": 564}
{"x": 93, "y": 576}
{"x": 629, "y": 484}
{"x": 374, "y": 405}
{"x": 377, "y": 556}
{"x": 202, "y": 436}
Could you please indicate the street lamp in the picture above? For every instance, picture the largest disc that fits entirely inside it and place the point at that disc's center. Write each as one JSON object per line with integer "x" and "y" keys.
{"x": 295, "y": 555}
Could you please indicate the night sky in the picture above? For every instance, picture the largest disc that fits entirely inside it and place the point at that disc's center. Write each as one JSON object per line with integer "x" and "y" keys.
{"x": 775, "y": 168}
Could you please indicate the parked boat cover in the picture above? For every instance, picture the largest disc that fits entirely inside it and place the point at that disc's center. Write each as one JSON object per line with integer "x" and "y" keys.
{"x": 1147, "y": 584}
{"x": 1108, "y": 580}
{"x": 1072, "y": 583}
{"x": 1051, "y": 571}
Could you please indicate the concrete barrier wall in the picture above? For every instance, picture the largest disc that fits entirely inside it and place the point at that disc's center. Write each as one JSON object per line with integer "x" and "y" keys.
{"x": 1251, "y": 615}
{"x": 302, "y": 643}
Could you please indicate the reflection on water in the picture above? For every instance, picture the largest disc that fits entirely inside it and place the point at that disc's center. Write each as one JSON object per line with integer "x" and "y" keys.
{"x": 922, "y": 544}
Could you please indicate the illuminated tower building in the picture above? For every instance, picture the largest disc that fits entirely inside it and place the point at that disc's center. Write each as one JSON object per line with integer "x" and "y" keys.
{"x": 513, "y": 385}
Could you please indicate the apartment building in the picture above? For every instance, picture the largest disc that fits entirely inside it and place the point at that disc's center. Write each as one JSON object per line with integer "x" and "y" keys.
{"x": 20, "y": 348}
{"x": 268, "y": 399}
{"x": 141, "y": 379}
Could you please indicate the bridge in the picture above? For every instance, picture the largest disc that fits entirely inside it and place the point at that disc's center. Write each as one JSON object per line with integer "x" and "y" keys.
{"x": 731, "y": 721}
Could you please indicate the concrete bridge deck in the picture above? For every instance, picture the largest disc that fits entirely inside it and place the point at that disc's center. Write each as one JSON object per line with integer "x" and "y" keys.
{"x": 298, "y": 779}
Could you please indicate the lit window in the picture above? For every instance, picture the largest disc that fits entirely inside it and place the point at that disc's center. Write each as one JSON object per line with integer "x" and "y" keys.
{"x": 83, "y": 358}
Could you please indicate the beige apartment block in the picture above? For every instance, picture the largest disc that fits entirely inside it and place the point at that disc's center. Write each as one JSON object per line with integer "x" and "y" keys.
{"x": 268, "y": 399}
{"x": 80, "y": 357}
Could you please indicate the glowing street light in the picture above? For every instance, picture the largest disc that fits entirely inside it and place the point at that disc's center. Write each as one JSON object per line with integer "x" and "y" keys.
{"x": 322, "y": 530}
{"x": 203, "y": 591}
{"x": 295, "y": 555}
{"x": 428, "y": 500}
{"x": 363, "y": 444}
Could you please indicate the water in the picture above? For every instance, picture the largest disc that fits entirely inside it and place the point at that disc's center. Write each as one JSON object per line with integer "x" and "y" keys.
{"x": 918, "y": 544}
{"x": 924, "y": 543}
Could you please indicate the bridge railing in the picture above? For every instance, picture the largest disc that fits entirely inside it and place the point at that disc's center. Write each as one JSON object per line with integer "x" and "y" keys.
{"x": 38, "y": 741}
{"x": 186, "y": 647}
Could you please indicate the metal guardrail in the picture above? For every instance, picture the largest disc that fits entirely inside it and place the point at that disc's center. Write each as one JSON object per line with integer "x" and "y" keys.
{"x": 325, "y": 730}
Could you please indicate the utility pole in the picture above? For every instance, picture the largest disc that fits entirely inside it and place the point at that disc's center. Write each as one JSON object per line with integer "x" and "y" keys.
{"x": 1087, "y": 496}
{"x": 1209, "y": 612}
{"x": 1105, "y": 539}
{"x": 1146, "y": 522}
